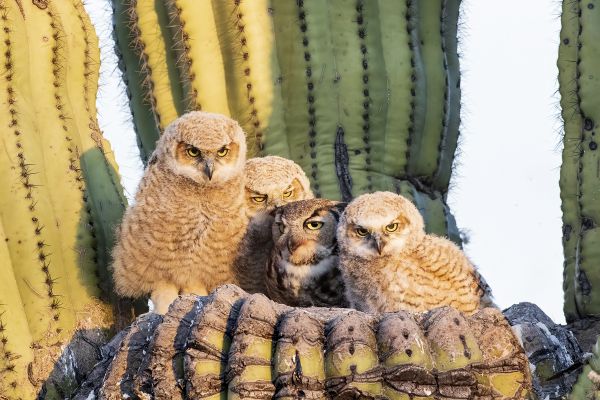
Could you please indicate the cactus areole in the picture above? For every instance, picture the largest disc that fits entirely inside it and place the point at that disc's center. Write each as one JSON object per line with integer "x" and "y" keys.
{"x": 364, "y": 95}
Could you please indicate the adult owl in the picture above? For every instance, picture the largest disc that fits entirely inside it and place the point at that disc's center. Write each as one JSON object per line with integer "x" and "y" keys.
{"x": 303, "y": 267}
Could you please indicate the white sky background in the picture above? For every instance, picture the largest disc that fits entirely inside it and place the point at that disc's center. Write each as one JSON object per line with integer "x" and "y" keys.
{"x": 505, "y": 190}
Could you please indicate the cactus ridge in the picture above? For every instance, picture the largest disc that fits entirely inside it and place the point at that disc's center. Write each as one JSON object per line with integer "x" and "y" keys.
{"x": 579, "y": 177}
{"x": 234, "y": 345}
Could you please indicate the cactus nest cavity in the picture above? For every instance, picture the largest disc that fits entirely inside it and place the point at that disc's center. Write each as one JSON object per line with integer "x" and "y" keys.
{"x": 248, "y": 347}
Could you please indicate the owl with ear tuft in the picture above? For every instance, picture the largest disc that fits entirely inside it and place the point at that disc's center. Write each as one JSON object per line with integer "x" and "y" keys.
{"x": 389, "y": 263}
{"x": 303, "y": 267}
{"x": 270, "y": 182}
{"x": 182, "y": 233}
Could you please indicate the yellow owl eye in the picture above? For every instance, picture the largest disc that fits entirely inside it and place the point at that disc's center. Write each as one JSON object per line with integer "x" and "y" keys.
{"x": 193, "y": 152}
{"x": 223, "y": 152}
{"x": 281, "y": 227}
{"x": 313, "y": 225}
{"x": 362, "y": 232}
{"x": 288, "y": 193}
{"x": 391, "y": 227}
{"x": 259, "y": 199}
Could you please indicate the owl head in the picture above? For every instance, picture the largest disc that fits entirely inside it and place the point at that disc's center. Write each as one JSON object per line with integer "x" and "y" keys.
{"x": 304, "y": 231}
{"x": 207, "y": 148}
{"x": 272, "y": 182}
{"x": 380, "y": 224}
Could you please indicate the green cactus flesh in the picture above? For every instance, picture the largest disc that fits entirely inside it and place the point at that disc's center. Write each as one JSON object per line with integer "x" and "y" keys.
{"x": 358, "y": 93}
{"x": 236, "y": 345}
{"x": 587, "y": 386}
{"x": 580, "y": 182}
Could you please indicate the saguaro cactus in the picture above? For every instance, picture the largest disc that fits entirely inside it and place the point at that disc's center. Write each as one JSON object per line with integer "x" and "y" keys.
{"x": 364, "y": 95}
{"x": 588, "y": 383}
{"x": 235, "y": 346}
{"x": 61, "y": 199}
{"x": 578, "y": 63}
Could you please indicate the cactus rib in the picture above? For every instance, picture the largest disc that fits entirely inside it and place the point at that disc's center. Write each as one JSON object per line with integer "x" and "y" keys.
{"x": 282, "y": 352}
{"x": 569, "y": 187}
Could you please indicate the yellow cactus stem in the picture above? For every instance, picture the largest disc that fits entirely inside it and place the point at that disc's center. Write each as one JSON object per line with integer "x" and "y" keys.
{"x": 27, "y": 212}
{"x": 249, "y": 372}
{"x": 351, "y": 360}
{"x": 299, "y": 360}
{"x": 58, "y": 137}
{"x": 247, "y": 42}
{"x": 15, "y": 339}
{"x": 161, "y": 83}
{"x": 199, "y": 56}
{"x": 208, "y": 345}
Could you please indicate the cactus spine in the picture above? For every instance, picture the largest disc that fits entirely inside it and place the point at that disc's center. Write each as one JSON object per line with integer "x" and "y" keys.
{"x": 364, "y": 95}
{"x": 61, "y": 200}
{"x": 580, "y": 183}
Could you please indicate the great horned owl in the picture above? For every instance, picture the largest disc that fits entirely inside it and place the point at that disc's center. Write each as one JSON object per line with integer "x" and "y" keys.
{"x": 182, "y": 233}
{"x": 270, "y": 182}
{"x": 273, "y": 181}
{"x": 389, "y": 263}
{"x": 303, "y": 267}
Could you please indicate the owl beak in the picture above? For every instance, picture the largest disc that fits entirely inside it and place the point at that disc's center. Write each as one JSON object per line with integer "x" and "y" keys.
{"x": 379, "y": 243}
{"x": 209, "y": 168}
{"x": 293, "y": 244}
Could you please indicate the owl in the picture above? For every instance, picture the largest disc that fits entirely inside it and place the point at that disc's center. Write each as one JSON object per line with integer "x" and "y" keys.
{"x": 303, "y": 266}
{"x": 274, "y": 181}
{"x": 183, "y": 231}
{"x": 269, "y": 182}
{"x": 388, "y": 262}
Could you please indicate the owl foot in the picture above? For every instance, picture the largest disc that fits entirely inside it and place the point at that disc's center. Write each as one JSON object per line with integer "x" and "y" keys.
{"x": 162, "y": 297}
{"x": 198, "y": 290}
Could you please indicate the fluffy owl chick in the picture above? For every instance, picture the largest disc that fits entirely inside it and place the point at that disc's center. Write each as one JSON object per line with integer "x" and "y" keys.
{"x": 389, "y": 263}
{"x": 303, "y": 267}
{"x": 272, "y": 182}
{"x": 182, "y": 233}
{"x": 269, "y": 182}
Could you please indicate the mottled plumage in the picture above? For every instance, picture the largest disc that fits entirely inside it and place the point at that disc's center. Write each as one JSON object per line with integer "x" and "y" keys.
{"x": 270, "y": 182}
{"x": 303, "y": 267}
{"x": 389, "y": 263}
{"x": 182, "y": 233}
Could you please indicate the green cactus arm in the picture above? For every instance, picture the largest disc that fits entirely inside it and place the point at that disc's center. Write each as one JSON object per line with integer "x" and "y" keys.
{"x": 588, "y": 274}
{"x": 352, "y": 80}
{"x": 451, "y": 122}
{"x": 146, "y": 126}
{"x": 322, "y": 112}
{"x": 426, "y": 145}
{"x": 15, "y": 338}
{"x": 571, "y": 116}
{"x": 199, "y": 57}
{"x": 588, "y": 382}
{"x": 294, "y": 81}
{"x": 396, "y": 44}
